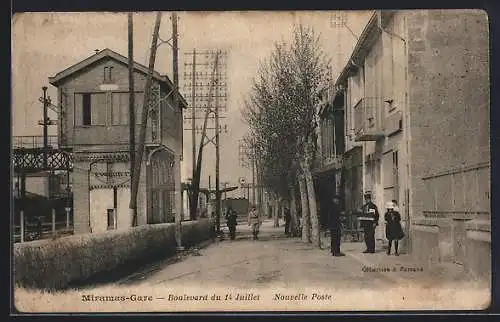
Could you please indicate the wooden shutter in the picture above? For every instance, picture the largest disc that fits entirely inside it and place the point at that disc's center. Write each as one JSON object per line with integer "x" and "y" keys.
{"x": 98, "y": 108}
{"x": 78, "y": 115}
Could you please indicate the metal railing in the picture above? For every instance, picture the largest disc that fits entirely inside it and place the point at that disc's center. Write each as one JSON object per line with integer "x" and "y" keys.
{"x": 33, "y": 232}
{"x": 33, "y": 141}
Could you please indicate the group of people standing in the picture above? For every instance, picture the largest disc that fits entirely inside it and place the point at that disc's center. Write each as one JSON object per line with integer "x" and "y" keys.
{"x": 254, "y": 220}
{"x": 370, "y": 221}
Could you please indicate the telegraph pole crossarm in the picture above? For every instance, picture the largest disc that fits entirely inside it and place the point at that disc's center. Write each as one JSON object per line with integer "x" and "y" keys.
{"x": 196, "y": 178}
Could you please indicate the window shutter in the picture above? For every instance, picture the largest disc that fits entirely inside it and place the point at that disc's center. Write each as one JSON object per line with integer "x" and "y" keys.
{"x": 78, "y": 117}
{"x": 124, "y": 108}
{"x": 98, "y": 109}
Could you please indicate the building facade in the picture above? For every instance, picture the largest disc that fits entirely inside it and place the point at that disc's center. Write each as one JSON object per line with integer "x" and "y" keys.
{"x": 93, "y": 121}
{"x": 327, "y": 168}
{"x": 416, "y": 122}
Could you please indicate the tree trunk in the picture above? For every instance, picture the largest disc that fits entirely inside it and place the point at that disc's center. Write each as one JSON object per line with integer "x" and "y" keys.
{"x": 282, "y": 208}
{"x": 293, "y": 212}
{"x": 311, "y": 195}
{"x": 306, "y": 237}
{"x": 276, "y": 212}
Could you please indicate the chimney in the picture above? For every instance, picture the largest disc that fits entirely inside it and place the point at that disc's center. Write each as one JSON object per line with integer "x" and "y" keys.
{"x": 96, "y": 51}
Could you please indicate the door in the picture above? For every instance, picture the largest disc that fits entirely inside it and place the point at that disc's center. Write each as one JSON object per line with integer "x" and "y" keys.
{"x": 101, "y": 200}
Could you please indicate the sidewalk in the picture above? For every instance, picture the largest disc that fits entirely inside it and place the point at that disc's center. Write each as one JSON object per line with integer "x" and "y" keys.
{"x": 402, "y": 269}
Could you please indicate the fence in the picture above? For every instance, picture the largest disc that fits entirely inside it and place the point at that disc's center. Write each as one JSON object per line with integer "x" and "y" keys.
{"x": 41, "y": 230}
{"x": 34, "y": 141}
{"x": 458, "y": 192}
{"x": 457, "y": 196}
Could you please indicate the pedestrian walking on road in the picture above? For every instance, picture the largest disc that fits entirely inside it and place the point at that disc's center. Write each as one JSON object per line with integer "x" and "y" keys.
{"x": 335, "y": 225}
{"x": 393, "y": 230}
{"x": 370, "y": 222}
{"x": 231, "y": 221}
{"x": 254, "y": 220}
{"x": 288, "y": 220}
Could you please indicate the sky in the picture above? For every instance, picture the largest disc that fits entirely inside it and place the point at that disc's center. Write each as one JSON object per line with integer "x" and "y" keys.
{"x": 44, "y": 44}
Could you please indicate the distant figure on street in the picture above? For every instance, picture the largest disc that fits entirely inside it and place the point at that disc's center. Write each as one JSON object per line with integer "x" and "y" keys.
{"x": 393, "y": 230}
{"x": 231, "y": 221}
{"x": 334, "y": 224}
{"x": 288, "y": 220}
{"x": 39, "y": 228}
{"x": 370, "y": 211}
{"x": 254, "y": 220}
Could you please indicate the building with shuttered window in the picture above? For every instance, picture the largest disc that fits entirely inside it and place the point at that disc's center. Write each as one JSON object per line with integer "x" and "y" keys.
{"x": 415, "y": 100}
{"x": 93, "y": 96}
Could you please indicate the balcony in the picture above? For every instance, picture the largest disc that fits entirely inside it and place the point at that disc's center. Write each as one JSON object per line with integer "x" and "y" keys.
{"x": 333, "y": 161}
{"x": 326, "y": 165}
{"x": 366, "y": 125}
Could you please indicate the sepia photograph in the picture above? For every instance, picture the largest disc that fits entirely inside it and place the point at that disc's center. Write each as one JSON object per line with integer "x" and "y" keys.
{"x": 247, "y": 161}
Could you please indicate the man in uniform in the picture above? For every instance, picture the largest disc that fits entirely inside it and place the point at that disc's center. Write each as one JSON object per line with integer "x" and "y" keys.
{"x": 231, "y": 221}
{"x": 370, "y": 210}
{"x": 254, "y": 221}
{"x": 334, "y": 223}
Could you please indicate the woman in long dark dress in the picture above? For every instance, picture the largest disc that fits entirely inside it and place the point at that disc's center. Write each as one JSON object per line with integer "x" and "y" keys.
{"x": 393, "y": 230}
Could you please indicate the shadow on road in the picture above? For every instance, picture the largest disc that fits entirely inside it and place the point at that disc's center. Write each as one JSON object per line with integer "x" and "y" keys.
{"x": 134, "y": 272}
{"x": 137, "y": 272}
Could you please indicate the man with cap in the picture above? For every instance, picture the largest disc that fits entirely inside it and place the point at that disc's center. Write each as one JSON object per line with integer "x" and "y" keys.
{"x": 370, "y": 211}
{"x": 334, "y": 223}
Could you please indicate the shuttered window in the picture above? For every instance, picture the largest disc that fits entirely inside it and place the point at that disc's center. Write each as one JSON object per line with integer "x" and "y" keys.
{"x": 110, "y": 108}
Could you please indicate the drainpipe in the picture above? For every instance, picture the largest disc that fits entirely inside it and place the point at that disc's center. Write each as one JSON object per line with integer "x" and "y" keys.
{"x": 406, "y": 126}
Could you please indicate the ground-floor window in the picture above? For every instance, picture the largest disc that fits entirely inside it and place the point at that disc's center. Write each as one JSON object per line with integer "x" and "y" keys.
{"x": 111, "y": 219}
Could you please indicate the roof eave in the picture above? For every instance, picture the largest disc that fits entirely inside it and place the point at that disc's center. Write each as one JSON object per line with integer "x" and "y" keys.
{"x": 59, "y": 77}
{"x": 370, "y": 31}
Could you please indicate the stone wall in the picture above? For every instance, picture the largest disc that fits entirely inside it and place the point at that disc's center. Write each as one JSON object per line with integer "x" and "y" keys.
{"x": 477, "y": 259}
{"x": 431, "y": 240}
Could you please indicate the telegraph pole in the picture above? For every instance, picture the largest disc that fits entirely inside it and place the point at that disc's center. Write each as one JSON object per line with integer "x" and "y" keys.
{"x": 131, "y": 91}
{"x": 142, "y": 133}
{"x": 176, "y": 105}
{"x": 203, "y": 97}
{"x": 175, "y": 58}
{"x": 217, "y": 151}
{"x": 193, "y": 112}
{"x": 45, "y": 128}
{"x": 45, "y": 122}
{"x": 253, "y": 178}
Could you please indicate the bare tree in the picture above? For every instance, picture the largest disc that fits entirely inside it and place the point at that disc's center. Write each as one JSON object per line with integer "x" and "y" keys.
{"x": 281, "y": 114}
